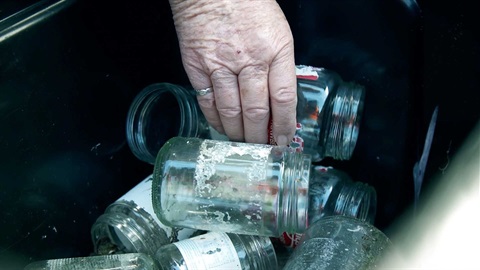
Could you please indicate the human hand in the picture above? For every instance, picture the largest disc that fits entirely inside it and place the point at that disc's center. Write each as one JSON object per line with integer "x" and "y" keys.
{"x": 243, "y": 49}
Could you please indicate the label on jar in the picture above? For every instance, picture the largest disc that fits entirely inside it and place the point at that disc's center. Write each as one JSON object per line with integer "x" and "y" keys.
{"x": 290, "y": 240}
{"x": 211, "y": 251}
{"x": 307, "y": 72}
{"x": 141, "y": 195}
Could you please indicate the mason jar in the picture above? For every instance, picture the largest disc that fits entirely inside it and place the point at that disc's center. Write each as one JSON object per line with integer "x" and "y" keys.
{"x": 332, "y": 192}
{"x": 130, "y": 261}
{"x": 130, "y": 225}
{"x": 218, "y": 251}
{"x": 246, "y": 188}
{"x": 234, "y": 187}
{"x": 339, "y": 242}
{"x": 328, "y": 116}
{"x": 159, "y": 112}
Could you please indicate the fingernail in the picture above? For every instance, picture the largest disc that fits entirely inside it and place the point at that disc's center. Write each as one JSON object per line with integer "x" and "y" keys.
{"x": 282, "y": 140}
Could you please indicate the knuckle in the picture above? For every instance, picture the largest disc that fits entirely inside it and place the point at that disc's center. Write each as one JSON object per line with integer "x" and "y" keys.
{"x": 230, "y": 112}
{"x": 256, "y": 114}
{"x": 285, "y": 96}
{"x": 221, "y": 74}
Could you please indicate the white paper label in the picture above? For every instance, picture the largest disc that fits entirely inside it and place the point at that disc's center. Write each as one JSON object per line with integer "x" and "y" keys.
{"x": 141, "y": 195}
{"x": 307, "y": 72}
{"x": 211, "y": 251}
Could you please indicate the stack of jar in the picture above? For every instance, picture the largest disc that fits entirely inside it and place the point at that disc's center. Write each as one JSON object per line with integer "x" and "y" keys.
{"x": 216, "y": 204}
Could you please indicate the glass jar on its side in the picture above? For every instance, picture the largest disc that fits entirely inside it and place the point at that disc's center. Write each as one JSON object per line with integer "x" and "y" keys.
{"x": 241, "y": 188}
{"x": 332, "y": 192}
{"x": 329, "y": 113}
{"x": 328, "y": 116}
{"x": 339, "y": 242}
{"x": 162, "y": 111}
{"x": 130, "y": 225}
{"x": 130, "y": 261}
{"x": 219, "y": 251}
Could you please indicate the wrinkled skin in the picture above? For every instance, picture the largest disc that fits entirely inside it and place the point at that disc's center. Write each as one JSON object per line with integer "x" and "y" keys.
{"x": 244, "y": 49}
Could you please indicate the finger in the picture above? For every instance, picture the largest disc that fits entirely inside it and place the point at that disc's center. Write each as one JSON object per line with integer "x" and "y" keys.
{"x": 253, "y": 83}
{"x": 227, "y": 98}
{"x": 200, "y": 80}
{"x": 283, "y": 97}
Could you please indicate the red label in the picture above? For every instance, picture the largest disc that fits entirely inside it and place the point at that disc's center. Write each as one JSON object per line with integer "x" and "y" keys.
{"x": 291, "y": 240}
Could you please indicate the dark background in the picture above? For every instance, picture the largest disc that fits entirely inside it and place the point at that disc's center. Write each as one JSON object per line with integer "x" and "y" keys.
{"x": 66, "y": 85}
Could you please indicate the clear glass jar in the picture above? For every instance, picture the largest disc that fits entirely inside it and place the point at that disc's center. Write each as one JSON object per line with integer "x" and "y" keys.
{"x": 328, "y": 116}
{"x": 219, "y": 251}
{"x": 241, "y": 188}
{"x": 130, "y": 225}
{"x": 339, "y": 242}
{"x": 332, "y": 192}
{"x": 130, "y": 261}
{"x": 162, "y": 111}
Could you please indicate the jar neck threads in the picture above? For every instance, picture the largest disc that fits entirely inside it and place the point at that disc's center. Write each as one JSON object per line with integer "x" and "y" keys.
{"x": 293, "y": 200}
{"x": 357, "y": 200}
{"x": 260, "y": 249}
{"x": 166, "y": 102}
{"x": 342, "y": 118}
{"x": 125, "y": 228}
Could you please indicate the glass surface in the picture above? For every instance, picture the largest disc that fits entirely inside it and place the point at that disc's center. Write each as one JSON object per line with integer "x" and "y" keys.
{"x": 219, "y": 251}
{"x": 231, "y": 187}
{"x": 159, "y": 112}
{"x": 130, "y": 261}
{"x": 125, "y": 227}
{"x": 328, "y": 114}
{"x": 339, "y": 242}
{"x": 332, "y": 192}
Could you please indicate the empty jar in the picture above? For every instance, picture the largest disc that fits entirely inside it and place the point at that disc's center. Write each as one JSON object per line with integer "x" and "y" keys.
{"x": 130, "y": 225}
{"x": 130, "y": 261}
{"x": 245, "y": 188}
{"x": 328, "y": 116}
{"x": 332, "y": 192}
{"x": 162, "y": 111}
{"x": 218, "y": 251}
{"x": 339, "y": 242}
{"x": 242, "y": 188}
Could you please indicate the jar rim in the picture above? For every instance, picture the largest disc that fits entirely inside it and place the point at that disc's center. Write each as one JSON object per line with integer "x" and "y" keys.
{"x": 139, "y": 116}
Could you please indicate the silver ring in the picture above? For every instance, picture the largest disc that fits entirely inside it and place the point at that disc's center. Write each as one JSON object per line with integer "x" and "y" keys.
{"x": 204, "y": 91}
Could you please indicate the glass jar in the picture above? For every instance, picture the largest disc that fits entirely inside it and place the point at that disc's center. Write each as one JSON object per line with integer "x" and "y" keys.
{"x": 241, "y": 188}
{"x": 219, "y": 251}
{"x": 162, "y": 111}
{"x": 332, "y": 192}
{"x": 328, "y": 116}
{"x": 130, "y": 225}
{"x": 339, "y": 242}
{"x": 130, "y": 261}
